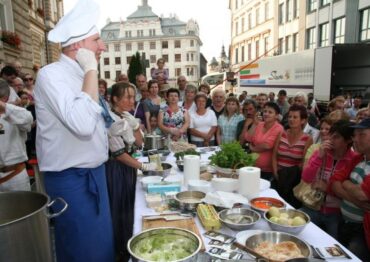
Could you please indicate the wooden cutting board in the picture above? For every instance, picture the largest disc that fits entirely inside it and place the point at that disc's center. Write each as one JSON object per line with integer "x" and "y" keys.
{"x": 188, "y": 224}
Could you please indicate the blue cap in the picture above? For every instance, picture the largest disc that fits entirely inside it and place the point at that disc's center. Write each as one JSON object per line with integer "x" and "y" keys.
{"x": 364, "y": 124}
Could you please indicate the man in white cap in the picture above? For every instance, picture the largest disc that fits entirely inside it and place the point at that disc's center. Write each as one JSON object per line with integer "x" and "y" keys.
{"x": 71, "y": 139}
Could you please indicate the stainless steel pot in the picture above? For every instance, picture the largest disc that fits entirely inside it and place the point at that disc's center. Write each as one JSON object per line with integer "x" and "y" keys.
{"x": 154, "y": 142}
{"x": 24, "y": 226}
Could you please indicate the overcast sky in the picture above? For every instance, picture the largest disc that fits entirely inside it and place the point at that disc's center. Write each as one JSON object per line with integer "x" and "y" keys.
{"x": 213, "y": 17}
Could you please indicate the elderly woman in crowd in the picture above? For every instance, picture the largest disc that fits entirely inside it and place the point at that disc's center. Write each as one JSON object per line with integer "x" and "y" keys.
{"x": 264, "y": 138}
{"x": 289, "y": 152}
{"x": 124, "y": 135}
{"x": 103, "y": 89}
{"x": 174, "y": 119}
{"x": 218, "y": 101}
{"x": 190, "y": 93}
{"x": 160, "y": 74}
{"x": 362, "y": 114}
{"x": 206, "y": 89}
{"x": 203, "y": 123}
{"x": 29, "y": 85}
{"x": 246, "y": 127}
{"x": 228, "y": 121}
{"x": 334, "y": 154}
{"x": 152, "y": 103}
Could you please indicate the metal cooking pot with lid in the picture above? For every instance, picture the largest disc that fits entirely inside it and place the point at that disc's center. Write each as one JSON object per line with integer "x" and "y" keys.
{"x": 154, "y": 142}
{"x": 24, "y": 226}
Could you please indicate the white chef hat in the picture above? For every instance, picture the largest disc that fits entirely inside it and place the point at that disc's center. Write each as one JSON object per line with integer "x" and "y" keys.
{"x": 78, "y": 24}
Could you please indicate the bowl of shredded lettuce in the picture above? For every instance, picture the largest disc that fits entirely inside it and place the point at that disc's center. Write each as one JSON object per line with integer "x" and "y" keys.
{"x": 164, "y": 244}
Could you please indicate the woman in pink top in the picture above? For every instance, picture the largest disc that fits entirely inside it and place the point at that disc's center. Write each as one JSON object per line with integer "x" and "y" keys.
{"x": 333, "y": 154}
{"x": 265, "y": 137}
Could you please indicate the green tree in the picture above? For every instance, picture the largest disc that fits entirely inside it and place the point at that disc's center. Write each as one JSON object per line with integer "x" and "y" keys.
{"x": 134, "y": 68}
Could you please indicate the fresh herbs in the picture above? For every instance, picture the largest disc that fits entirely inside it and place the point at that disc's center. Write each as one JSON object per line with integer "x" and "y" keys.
{"x": 180, "y": 155}
{"x": 232, "y": 155}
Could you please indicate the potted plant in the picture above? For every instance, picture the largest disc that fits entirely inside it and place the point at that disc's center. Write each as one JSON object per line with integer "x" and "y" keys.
{"x": 11, "y": 38}
{"x": 232, "y": 157}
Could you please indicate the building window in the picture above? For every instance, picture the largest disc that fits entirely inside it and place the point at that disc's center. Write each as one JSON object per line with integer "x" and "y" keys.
{"x": 236, "y": 4}
{"x": 151, "y": 32}
{"x": 243, "y": 24}
{"x": 267, "y": 11}
{"x": 295, "y": 42}
{"x": 311, "y": 38}
{"x": 117, "y": 48}
{"x": 280, "y": 46}
{"x": 128, "y": 47}
{"x": 236, "y": 27}
{"x": 295, "y": 9}
{"x": 242, "y": 54}
{"x": 177, "y": 57}
{"x": 249, "y": 21}
{"x": 365, "y": 25}
{"x": 118, "y": 73}
{"x": 152, "y": 45}
{"x": 165, "y": 58}
{"x": 257, "y": 16}
{"x": 249, "y": 51}
{"x": 128, "y": 59}
{"x": 191, "y": 57}
{"x": 236, "y": 56}
{"x": 177, "y": 44}
{"x": 140, "y": 33}
{"x": 339, "y": 30}
{"x": 128, "y": 33}
{"x": 324, "y": 2}
{"x": 106, "y": 74}
{"x": 106, "y": 48}
{"x": 164, "y": 44}
{"x": 311, "y": 5}
{"x": 288, "y": 44}
{"x": 187, "y": 57}
{"x": 106, "y": 60}
{"x": 140, "y": 46}
{"x": 190, "y": 71}
{"x": 289, "y": 13}
{"x": 281, "y": 14}
{"x": 177, "y": 72}
{"x": 153, "y": 59}
{"x": 324, "y": 34}
{"x": 191, "y": 43}
{"x": 117, "y": 60}
{"x": 6, "y": 19}
{"x": 257, "y": 48}
{"x": 266, "y": 48}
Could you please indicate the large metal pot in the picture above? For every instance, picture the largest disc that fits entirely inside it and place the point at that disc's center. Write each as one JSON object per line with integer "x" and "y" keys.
{"x": 154, "y": 142}
{"x": 24, "y": 226}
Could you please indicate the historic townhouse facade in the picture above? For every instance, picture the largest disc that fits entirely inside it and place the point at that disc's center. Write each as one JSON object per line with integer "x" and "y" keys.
{"x": 154, "y": 37}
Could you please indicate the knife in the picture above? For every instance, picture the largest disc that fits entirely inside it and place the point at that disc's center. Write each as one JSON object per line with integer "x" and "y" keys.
{"x": 168, "y": 217}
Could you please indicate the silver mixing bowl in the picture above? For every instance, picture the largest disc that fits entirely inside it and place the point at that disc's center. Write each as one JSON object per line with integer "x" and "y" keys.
{"x": 223, "y": 214}
{"x": 286, "y": 228}
{"x": 164, "y": 173}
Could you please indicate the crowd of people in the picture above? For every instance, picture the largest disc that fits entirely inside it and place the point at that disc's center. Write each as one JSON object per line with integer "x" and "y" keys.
{"x": 87, "y": 133}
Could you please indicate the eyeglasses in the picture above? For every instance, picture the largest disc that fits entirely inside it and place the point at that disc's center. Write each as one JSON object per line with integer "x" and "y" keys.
{"x": 28, "y": 79}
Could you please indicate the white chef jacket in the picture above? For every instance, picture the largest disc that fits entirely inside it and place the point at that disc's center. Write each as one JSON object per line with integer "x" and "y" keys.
{"x": 16, "y": 122}
{"x": 70, "y": 128}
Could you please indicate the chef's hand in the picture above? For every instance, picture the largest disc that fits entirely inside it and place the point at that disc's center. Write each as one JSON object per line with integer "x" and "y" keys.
{"x": 87, "y": 60}
{"x": 132, "y": 121}
{"x": 149, "y": 166}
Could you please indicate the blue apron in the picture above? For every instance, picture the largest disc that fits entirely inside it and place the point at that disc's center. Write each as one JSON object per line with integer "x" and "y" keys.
{"x": 84, "y": 231}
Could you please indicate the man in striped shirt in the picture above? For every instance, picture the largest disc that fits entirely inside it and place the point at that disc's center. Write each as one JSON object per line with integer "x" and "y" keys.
{"x": 345, "y": 184}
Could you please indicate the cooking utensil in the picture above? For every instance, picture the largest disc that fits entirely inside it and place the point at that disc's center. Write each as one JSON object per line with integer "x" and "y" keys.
{"x": 168, "y": 217}
{"x": 189, "y": 200}
{"x": 287, "y": 228}
{"x": 226, "y": 214}
{"x": 250, "y": 251}
{"x": 154, "y": 142}
{"x": 165, "y": 172}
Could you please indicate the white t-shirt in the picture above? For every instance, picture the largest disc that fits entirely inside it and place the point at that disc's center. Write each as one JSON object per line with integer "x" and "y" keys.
{"x": 202, "y": 123}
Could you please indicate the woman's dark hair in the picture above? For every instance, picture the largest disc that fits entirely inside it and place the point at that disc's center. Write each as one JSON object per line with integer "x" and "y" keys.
{"x": 343, "y": 128}
{"x": 119, "y": 90}
{"x": 298, "y": 108}
{"x": 206, "y": 86}
{"x": 199, "y": 95}
{"x": 151, "y": 82}
{"x": 273, "y": 106}
{"x": 104, "y": 83}
{"x": 173, "y": 90}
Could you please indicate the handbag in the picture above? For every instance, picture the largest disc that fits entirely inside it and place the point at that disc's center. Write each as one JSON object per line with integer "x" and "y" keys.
{"x": 309, "y": 196}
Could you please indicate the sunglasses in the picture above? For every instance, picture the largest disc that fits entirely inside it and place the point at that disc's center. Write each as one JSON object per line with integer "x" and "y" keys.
{"x": 28, "y": 79}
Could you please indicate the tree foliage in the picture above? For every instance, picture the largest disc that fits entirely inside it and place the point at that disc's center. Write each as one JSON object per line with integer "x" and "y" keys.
{"x": 135, "y": 67}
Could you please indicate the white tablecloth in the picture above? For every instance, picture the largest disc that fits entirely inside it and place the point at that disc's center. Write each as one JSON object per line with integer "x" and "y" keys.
{"x": 312, "y": 234}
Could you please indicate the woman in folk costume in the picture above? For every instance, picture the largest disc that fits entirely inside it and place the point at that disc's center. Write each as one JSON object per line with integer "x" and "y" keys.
{"x": 71, "y": 141}
{"x": 124, "y": 136}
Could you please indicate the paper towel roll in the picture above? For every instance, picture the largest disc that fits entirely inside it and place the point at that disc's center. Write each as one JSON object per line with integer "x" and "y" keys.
{"x": 249, "y": 181}
{"x": 191, "y": 168}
